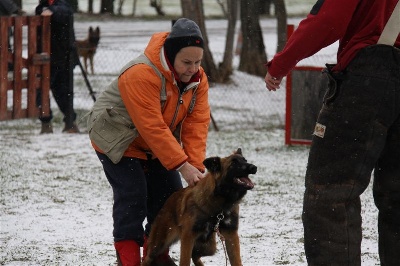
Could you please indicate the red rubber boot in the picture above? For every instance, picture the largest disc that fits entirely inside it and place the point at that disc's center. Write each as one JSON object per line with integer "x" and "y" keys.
{"x": 128, "y": 253}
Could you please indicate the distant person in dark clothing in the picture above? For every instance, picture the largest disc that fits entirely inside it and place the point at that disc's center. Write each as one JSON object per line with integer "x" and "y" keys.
{"x": 62, "y": 48}
{"x": 9, "y": 8}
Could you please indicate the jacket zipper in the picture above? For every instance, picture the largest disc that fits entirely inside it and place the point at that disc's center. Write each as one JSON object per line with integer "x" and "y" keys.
{"x": 180, "y": 101}
{"x": 176, "y": 109}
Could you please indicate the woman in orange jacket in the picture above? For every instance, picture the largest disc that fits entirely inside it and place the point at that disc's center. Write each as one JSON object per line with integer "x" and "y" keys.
{"x": 149, "y": 128}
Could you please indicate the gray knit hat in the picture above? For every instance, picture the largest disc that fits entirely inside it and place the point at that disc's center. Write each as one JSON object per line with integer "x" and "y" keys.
{"x": 184, "y": 33}
{"x": 184, "y": 27}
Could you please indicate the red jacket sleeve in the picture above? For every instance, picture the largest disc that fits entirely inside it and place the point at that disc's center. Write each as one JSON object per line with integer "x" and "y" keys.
{"x": 313, "y": 33}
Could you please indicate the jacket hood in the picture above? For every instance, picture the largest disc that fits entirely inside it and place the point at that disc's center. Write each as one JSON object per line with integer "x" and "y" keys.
{"x": 155, "y": 53}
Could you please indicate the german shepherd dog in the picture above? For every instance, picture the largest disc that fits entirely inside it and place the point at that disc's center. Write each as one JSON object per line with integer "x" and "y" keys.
{"x": 194, "y": 215}
{"x": 87, "y": 48}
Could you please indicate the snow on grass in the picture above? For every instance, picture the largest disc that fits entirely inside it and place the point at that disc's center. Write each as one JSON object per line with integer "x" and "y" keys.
{"x": 55, "y": 202}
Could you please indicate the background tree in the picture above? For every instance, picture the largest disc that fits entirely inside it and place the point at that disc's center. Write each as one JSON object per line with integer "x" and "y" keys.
{"x": 134, "y": 7}
{"x": 107, "y": 7}
{"x": 90, "y": 6}
{"x": 223, "y": 9}
{"x": 281, "y": 18}
{"x": 157, "y": 4}
{"x": 253, "y": 55}
{"x": 194, "y": 10}
{"x": 265, "y": 7}
{"x": 120, "y": 4}
{"x": 225, "y": 67}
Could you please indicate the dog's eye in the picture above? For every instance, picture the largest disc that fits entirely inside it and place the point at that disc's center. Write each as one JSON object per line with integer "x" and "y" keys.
{"x": 239, "y": 160}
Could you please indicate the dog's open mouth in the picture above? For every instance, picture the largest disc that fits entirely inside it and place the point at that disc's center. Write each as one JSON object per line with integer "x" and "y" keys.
{"x": 244, "y": 182}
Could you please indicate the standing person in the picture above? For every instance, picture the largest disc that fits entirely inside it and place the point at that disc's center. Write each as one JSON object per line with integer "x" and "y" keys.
{"x": 61, "y": 69}
{"x": 9, "y": 8}
{"x": 357, "y": 131}
{"x": 145, "y": 142}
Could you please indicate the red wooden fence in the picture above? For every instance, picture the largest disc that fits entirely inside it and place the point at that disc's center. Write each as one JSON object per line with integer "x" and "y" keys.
{"x": 30, "y": 69}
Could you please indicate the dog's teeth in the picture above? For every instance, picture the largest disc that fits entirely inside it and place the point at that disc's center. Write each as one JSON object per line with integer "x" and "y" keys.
{"x": 244, "y": 181}
{"x": 239, "y": 181}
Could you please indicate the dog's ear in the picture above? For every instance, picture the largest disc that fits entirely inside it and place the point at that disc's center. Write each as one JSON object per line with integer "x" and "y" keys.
{"x": 97, "y": 29}
{"x": 90, "y": 29}
{"x": 213, "y": 164}
{"x": 239, "y": 151}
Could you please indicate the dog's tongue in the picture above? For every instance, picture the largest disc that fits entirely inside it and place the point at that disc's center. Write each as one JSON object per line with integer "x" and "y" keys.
{"x": 246, "y": 182}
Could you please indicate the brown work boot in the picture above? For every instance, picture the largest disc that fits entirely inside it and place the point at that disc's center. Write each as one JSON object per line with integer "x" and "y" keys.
{"x": 47, "y": 128}
{"x": 72, "y": 129}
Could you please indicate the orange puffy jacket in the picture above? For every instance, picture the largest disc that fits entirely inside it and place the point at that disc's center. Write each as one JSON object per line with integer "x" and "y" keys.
{"x": 140, "y": 89}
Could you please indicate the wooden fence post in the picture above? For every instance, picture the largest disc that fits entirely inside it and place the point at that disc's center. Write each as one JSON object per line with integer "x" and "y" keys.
{"x": 30, "y": 70}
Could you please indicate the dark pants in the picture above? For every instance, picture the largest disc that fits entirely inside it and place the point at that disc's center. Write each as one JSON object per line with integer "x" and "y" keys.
{"x": 361, "y": 113}
{"x": 59, "y": 85}
{"x": 140, "y": 189}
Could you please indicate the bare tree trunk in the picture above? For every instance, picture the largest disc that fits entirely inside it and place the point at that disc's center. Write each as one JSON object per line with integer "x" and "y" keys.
{"x": 253, "y": 55}
{"x": 120, "y": 4}
{"x": 194, "y": 10}
{"x": 221, "y": 4}
{"x": 265, "y": 7}
{"x": 158, "y": 6}
{"x": 225, "y": 68}
{"x": 281, "y": 17}
{"x": 107, "y": 7}
{"x": 134, "y": 7}
{"x": 90, "y": 6}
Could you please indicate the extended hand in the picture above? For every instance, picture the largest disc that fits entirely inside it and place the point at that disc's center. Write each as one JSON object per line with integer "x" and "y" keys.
{"x": 191, "y": 174}
{"x": 47, "y": 12}
{"x": 272, "y": 83}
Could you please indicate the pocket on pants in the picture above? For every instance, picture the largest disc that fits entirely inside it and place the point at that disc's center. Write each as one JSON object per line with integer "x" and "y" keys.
{"x": 332, "y": 91}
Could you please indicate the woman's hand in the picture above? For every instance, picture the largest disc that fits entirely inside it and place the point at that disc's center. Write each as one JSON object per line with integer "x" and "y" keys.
{"x": 190, "y": 173}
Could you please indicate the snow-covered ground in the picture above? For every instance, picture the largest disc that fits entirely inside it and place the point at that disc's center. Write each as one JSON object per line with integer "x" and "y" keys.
{"x": 55, "y": 202}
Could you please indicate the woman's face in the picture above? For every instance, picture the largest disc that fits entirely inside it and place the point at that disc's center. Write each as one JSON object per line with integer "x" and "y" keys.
{"x": 187, "y": 62}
